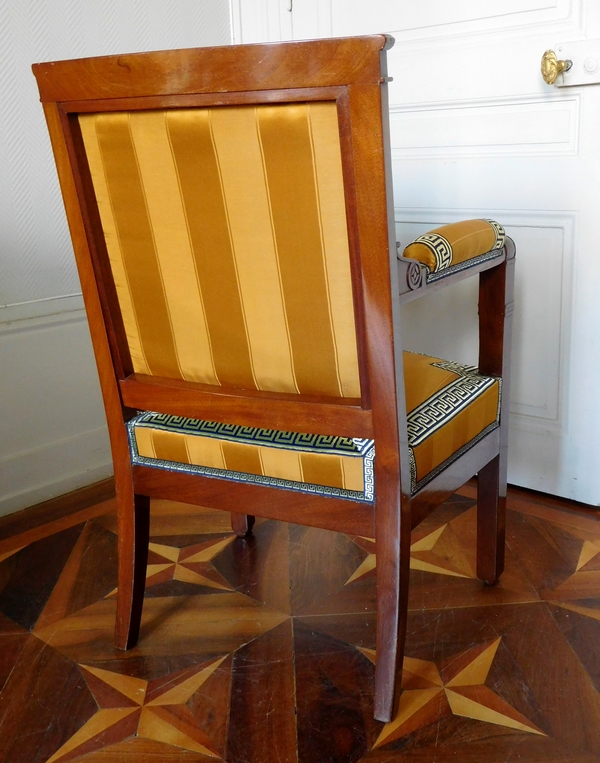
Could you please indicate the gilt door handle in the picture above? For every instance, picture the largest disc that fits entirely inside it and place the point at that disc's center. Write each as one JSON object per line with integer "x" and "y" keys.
{"x": 552, "y": 67}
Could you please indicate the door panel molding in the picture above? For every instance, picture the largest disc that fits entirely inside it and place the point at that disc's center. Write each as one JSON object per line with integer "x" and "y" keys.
{"x": 529, "y": 126}
{"x": 432, "y": 19}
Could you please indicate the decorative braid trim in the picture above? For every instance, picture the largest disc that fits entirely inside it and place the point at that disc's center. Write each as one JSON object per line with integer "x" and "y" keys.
{"x": 500, "y": 233}
{"x": 274, "y": 438}
{"x": 440, "y": 247}
{"x": 435, "y": 412}
{"x": 464, "y": 265}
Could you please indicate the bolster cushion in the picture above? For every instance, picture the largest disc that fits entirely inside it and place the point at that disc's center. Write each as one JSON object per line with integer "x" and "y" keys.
{"x": 456, "y": 243}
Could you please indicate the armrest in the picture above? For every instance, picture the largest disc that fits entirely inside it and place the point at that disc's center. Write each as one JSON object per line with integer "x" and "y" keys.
{"x": 449, "y": 254}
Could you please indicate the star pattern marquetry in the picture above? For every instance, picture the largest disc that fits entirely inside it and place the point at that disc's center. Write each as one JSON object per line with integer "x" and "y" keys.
{"x": 584, "y": 580}
{"x": 589, "y": 551}
{"x": 588, "y": 560}
{"x": 455, "y": 688}
{"x": 294, "y": 685}
{"x": 438, "y": 551}
{"x": 155, "y": 710}
{"x": 191, "y": 564}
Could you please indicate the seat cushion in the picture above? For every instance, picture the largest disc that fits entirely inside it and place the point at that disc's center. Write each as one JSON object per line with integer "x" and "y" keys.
{"x": 334, "y": 466}
{"x": 451, "y": 407}
{"x": 457, "y": 245}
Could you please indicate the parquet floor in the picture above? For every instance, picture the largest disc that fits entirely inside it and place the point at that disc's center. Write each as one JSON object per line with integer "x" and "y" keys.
{"x": 262, "y": 650}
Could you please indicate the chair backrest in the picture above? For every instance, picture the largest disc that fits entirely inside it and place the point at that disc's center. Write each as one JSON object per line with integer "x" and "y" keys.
{"x": 233, "y": 226}
{"x": 226, "y": 232}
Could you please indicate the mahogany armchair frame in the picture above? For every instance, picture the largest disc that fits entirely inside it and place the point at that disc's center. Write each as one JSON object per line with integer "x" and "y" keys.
{"x": 351, "y": 72}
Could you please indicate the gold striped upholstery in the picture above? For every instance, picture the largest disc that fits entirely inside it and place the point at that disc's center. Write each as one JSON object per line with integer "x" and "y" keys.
{"x": 450, "y": 407}
{"x": 226, "y": 233}
{"x": 236, "y": 452}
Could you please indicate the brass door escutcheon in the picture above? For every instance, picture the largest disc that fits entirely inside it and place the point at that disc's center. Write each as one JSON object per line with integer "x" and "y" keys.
{"x": 552, "y": 67}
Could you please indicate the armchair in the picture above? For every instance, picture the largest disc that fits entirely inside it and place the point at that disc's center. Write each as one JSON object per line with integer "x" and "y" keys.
{"x": 232, "y": 220}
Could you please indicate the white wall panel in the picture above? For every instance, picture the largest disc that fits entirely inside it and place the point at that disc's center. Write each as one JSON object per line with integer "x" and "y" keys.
{"x": 37, "y": 260}
{"x": 418, "y": 21}
{"x": 54, "y": 436}
{"x": 462, "y": 68}
{"x": 52, "y": 420}
{"x": 263, "y": 20}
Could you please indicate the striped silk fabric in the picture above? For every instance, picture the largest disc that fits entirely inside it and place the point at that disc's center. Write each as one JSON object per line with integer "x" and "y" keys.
{"x": 227, "y": 238}
{"x": 450, "y": 408}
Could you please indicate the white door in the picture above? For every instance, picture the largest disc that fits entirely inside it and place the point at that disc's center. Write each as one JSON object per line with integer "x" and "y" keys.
{"x": 477, "y": 133}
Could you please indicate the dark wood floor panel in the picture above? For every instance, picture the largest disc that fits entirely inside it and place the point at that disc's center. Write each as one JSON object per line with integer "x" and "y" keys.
{"x": 475, "y": 675}
{"x": 12, "y": 640}
{"x": 262, "y": 725}
{"x": 334, "y": 685}
{"x": 140, "y": 750}
{"x": 32, "y": 575}
{"x": 261, "y": 650}
{"x": 579, "y": 624}
{"x": 258, "y": 566}
{"x": 44, "y": 701}
{"x": 88, "y": 575}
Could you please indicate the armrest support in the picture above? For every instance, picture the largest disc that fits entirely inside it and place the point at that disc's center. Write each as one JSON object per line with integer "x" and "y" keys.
{"x": 496, "y": 306}
{"x": 415, "y": 280}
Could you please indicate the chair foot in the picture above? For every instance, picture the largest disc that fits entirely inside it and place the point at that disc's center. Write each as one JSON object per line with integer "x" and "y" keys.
{"x": 242, "y": 524}
{"x": 385, "y": 710}
{"x": 393, "y": 571}
{"x": 134, "y": 534}
{"x": 491, "y": 522}
{"x": 390, "y": 658}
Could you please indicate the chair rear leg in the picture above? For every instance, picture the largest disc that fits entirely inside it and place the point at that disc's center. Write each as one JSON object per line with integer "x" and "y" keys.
{"x": 491, "y": 521}
{"x": 242, "y": 524}
{"x": 393, "y": 571}
{"x": 134, "y": 532}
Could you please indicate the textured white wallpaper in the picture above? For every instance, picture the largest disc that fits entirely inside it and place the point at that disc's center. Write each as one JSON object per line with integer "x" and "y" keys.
{"x": 36, "y": 259}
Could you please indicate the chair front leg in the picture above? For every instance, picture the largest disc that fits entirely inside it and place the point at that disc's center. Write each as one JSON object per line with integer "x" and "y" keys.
{"x": 134, "y": 533}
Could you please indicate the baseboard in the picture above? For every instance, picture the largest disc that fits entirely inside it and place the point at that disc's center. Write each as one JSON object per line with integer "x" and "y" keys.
{"x": 56, "y": 514}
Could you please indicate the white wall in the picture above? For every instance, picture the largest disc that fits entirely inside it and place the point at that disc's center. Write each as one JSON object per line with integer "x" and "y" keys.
{"x": 52, "y": 428}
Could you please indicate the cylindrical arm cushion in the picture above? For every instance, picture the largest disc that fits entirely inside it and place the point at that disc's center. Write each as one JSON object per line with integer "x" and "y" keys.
{"x": 455, "y": 243}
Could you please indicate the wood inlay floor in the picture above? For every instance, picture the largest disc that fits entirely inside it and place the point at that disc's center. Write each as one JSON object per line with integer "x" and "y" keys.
{"x": 262, "y": 650}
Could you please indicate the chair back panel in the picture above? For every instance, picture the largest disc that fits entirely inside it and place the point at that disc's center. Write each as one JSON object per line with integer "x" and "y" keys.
{"x": 226, "y": 232}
